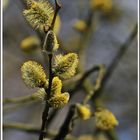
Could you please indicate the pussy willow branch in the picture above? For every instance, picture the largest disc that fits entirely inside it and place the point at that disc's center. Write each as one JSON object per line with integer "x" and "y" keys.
{"x": 70, "y": 83}
{"x": 66, "y": 127}
{"x": 86, "y": 86}
{"x": 48, "y": 91}
{"x": 88, "y": 23}
{"x": 111, "y": 133}
{"x": 80, "y": 78}
{"x": 83, "y": 43}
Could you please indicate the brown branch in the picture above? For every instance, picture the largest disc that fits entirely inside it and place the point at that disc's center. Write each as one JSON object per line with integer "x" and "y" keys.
{"x": 64, "y": 130}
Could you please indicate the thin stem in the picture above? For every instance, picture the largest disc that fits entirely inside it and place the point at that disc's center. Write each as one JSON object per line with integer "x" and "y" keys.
{"x": 16, "y": 100}
{"x": 97, "y": 85}
{"x": 51, "y": 117}
{"x": 48, "y": 90}
{"x": 65, "y": 129}
{"x": 47, "y": 107}
{"x": 32, "y": 129}
{"x": 72, "y": 124}
{"x": 111, "y": 134}
{"x": 44, "y": 120}
{"x": 50, "y": 74}
{"x": 27, "y": 128}
{"x": 83, "y": 79}
{"x": 57, "y": 8}
{"x": 95, "y": 68}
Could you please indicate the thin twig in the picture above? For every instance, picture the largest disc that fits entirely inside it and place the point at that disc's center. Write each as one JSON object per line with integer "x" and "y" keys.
{"x": 32, "y": 129}
{"x": 16, "y": 100}
{"x": 65, "y": 129}
{"x": 97, "y": 85}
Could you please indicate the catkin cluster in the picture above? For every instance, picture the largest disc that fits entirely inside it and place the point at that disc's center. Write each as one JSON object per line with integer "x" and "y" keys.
{"x": 33, "y": 75}
{"x": 65, "y": 65}
{"x": 39, "y": 14}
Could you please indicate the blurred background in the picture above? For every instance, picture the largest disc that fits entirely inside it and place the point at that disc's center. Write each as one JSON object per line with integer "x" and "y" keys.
{"x": 120, "y": 93}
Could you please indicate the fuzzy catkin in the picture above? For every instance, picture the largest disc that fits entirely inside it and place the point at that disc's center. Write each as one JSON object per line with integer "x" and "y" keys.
{"x": 33, "y": 74}
{"x": 39, "y": 14}
{"x": 104, "y": 119}
{"x": 83, "y": 111}
{"x": 56, "y": 86}
{"x": 59, "y": 101}
{"x": 65, "y": 66}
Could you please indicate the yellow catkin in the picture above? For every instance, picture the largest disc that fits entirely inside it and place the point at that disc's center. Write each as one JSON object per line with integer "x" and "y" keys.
{"x": 103, "y": 5}
{"x": 83, "y": 111}
{"x": 39, "y": 13}
{"x": 80, "y": 25}
{"x": 59, "y": 101}
{"x": 65, "y": 66}
{"x": 56, "y": 86}
{"x": 30, "y": 44}
{"x": 104, "y": 119}
{"x": 33, "y": 74}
